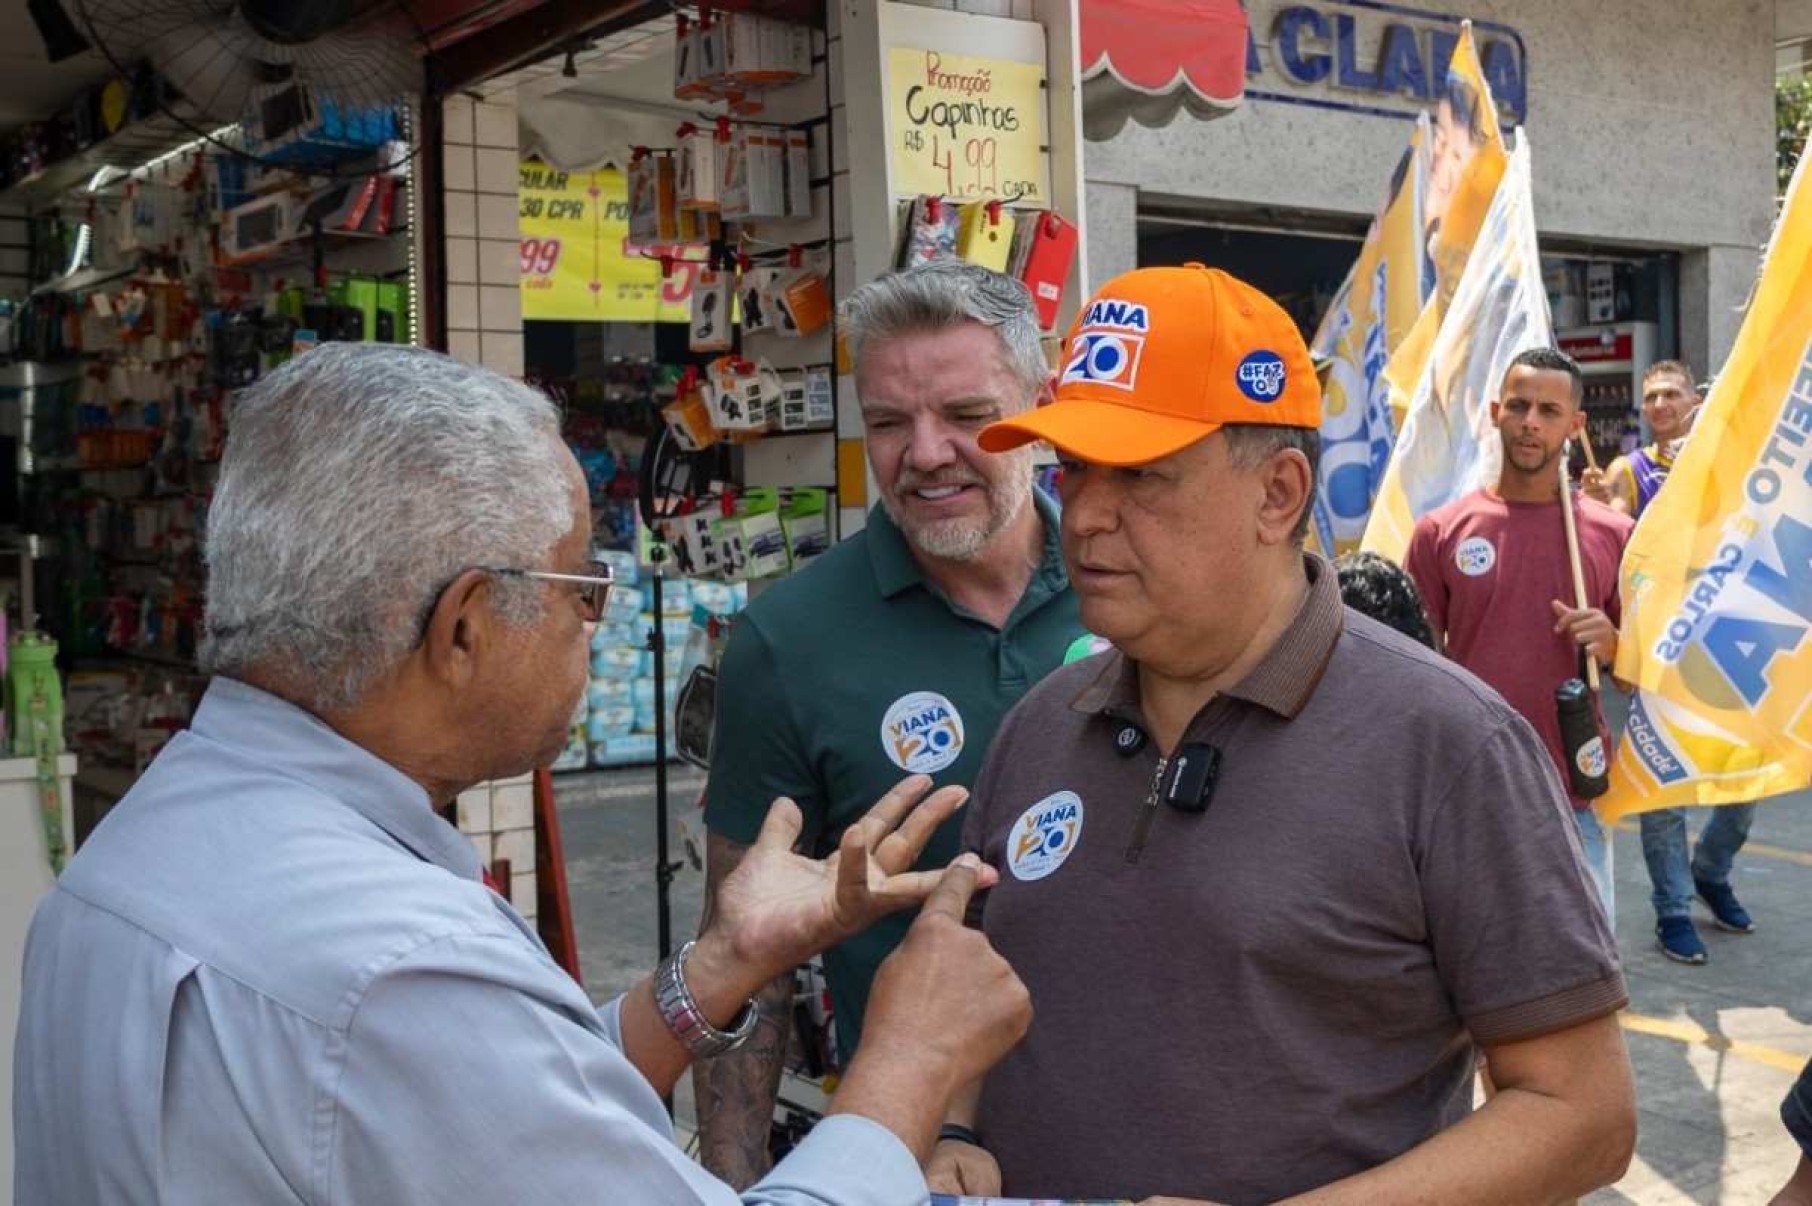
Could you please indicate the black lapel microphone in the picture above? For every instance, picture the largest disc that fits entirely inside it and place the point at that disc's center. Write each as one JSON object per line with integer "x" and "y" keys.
{"x": 1192, "y": 774}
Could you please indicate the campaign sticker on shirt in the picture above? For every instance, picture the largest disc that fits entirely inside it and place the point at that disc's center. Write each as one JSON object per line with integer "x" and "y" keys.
{"x": 1591, "y": 758}
{"x": 1043, "y": 836}
{"x": 922, "y": 733}
{"x": 1475, "y": 557}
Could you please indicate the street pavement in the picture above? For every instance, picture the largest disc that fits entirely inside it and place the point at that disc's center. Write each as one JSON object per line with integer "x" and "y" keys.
{"x": 1715, "y": 1047}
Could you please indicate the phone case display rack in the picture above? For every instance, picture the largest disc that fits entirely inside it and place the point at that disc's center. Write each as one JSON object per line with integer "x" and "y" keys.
{"x": 163, "y": 290}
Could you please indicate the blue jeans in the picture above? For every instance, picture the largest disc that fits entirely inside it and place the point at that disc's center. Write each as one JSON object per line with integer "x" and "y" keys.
{"x": 1596, "y": 844}
{"x": 1664, "y": 848}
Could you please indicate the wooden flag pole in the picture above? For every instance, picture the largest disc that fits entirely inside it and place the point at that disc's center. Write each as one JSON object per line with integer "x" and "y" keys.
{"x": 1591, "y": 458}
{"x": 1579, "y": 590}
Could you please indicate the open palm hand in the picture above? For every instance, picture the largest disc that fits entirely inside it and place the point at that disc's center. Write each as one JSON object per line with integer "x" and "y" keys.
{"x": 779, "y": 908}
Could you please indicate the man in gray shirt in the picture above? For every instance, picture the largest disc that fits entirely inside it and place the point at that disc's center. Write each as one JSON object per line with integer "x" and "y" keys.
{"x": 273, "y": 974}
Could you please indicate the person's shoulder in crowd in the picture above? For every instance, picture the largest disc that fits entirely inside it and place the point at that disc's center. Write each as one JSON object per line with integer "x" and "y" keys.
{"x": 1591, "y": 511}
{"x": 1444, "y": 516}
{"x": 1442, "y": 690}
{"x": 269, "y": 880}
{"x": 1056, "y": 692}
{"x": 795, "y": 603}
{"x": 1411, "y": 680}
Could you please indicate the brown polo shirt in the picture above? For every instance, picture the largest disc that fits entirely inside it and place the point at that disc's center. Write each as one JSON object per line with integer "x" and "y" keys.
{"x": 1285, "y": 989}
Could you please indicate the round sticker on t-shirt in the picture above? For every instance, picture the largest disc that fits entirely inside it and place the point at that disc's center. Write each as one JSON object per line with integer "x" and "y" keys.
{"x": 1591, "y": 758}
{"x": 1475, "y": 557}
{"x": 922, "y": 733}
{"x": 1043, "y": 836}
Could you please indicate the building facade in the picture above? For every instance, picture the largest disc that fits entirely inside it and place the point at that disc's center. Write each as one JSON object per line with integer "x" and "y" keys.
{"x": 1652, "y": 130}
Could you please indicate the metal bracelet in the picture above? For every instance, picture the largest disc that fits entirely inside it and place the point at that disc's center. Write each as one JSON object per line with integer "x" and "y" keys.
{"x": 681, "y": 1013}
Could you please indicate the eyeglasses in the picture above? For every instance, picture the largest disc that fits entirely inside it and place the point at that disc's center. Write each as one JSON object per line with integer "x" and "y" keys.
{"x": 594, "y": 589}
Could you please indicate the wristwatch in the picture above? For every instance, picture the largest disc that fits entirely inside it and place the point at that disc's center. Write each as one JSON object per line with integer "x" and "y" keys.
{"x": 682, "y": 1015}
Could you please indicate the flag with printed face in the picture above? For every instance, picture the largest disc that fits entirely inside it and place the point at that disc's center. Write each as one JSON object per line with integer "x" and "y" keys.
{"x": 1717, "y": 580}
{"x": 1460, "y": 160}
{"x": 1447, "y": 447}
{"x": 1374, "y": 310}
{"x": 1466, "y": 159}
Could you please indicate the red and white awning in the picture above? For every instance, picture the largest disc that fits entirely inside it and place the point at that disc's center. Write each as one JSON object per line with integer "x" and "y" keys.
{"x": 1150, "y": 59}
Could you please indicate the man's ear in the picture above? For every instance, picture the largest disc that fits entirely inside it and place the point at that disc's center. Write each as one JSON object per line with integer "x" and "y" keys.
{"x": 1494, "y": 410}
{"x": 1047, "y": 393}
{"x": 458, "y": 628}
{"x": 1579, "y": 418}
{"x": 1288, "y": 482}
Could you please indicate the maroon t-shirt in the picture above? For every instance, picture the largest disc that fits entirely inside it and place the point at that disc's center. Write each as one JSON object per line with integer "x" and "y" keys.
{"x": 1490, "y": 571}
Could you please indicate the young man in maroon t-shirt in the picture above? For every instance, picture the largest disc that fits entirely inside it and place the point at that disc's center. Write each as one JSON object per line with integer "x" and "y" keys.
{"x": 1493, "y": 571}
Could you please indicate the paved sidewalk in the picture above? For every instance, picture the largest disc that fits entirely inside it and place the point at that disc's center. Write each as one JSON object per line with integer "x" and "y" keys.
{"x": 1716, "y": 1047}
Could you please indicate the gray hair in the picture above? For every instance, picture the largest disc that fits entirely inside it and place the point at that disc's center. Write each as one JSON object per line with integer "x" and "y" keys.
{"x": 1250, "y": 445}
{"x": 360, "y": 479}
{"x": 948, "y": 293}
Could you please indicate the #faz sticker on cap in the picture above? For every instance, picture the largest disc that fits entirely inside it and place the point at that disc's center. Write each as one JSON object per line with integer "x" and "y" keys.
{"x": 1261, "y": 376}
{"x": 1104, "y": 358}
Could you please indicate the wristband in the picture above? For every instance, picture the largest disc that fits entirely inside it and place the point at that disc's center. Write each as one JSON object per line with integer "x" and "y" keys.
{"x": 962, "y": 1134}
{"x": 682, "y": 1015}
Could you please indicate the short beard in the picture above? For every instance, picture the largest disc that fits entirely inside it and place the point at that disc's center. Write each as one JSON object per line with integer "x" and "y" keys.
{"x": 966, "y": 539}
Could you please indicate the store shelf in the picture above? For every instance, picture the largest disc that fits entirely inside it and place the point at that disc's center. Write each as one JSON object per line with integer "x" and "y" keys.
{"x": 138, "y": 143}
{"x": 301, "y": 250}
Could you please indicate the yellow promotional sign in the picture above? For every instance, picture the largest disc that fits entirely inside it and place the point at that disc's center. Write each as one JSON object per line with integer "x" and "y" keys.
{"x": 1447, "y": 447}
{"x": 1375, "y": 308}
{"x": 966, "y": 127}
{"x": 575, "y": 265}
{"x": 1717, "y": 580}
{"x": 1466, "y": 164}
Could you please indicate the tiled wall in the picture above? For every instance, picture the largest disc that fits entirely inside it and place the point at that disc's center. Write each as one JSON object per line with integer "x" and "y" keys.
{"x": 484, "y": 326}
{"x": 499, "y": 819}
{"x": 484, "y": 301}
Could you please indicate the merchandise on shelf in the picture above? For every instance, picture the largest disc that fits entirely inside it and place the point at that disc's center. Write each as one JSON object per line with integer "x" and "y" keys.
{"x": 159, "y": 326}
{"x": 617, "y": 715}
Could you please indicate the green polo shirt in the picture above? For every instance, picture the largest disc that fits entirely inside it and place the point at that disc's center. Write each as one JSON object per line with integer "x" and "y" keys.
{"x": 840, "y": 681}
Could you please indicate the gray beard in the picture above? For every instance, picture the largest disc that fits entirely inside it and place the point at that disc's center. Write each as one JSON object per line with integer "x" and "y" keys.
{"x": 965, "y": 539}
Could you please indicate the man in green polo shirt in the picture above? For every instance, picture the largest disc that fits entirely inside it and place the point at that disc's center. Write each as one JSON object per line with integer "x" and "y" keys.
{"x": 900, "y": 650}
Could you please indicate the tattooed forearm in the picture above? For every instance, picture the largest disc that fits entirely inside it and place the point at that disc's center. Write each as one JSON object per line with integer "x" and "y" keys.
{"x": 736, "y": 1093}
{"x": 736, "y": 1090}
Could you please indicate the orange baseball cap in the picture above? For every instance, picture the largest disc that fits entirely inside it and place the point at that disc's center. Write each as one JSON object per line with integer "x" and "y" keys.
{"x": 1162, "y": 357}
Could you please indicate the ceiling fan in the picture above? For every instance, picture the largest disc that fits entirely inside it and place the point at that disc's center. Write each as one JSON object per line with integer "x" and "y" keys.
{"x": 302, "y": 84}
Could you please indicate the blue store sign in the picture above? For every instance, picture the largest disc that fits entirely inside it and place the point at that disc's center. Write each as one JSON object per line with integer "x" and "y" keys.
{"x": 1377, "y": 58}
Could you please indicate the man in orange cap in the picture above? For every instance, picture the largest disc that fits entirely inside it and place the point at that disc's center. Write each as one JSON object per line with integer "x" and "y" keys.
{"x": 1272, "y": 872}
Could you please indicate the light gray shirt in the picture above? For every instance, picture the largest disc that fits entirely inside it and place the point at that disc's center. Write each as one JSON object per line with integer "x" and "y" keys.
{"x": 273, "y": 975}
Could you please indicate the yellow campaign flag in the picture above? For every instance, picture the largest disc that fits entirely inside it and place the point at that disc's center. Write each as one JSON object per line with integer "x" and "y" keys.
{"x": 1717, "y": 580}
{"x": 1466, "y": 161}
{"x": 575, "y": 262}
{"x": 1445, "y": 360}
{"x": 1375, "y": 308}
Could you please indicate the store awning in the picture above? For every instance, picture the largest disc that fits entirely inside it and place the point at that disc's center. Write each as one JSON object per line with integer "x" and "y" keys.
{"x": 1148, "y": 60}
